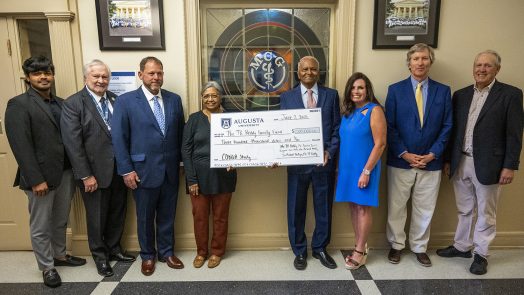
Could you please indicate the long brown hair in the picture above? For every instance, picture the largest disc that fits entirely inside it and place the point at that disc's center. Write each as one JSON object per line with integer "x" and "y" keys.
{"x": 348, "y": 105}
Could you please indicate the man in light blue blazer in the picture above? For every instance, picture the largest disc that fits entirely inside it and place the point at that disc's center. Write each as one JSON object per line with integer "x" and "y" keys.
{"x": 146, "y": 131}
{"x": 419, "y": 117}
{"x": 311, "y": 95}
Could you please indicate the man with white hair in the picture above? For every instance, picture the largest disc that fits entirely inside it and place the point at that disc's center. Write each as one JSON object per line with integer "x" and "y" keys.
{"x": 86, "y": 135}
{"x": 483, "y": 153}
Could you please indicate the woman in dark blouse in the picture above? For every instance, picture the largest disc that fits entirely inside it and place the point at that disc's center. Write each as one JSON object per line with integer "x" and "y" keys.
{"x": 209, "y": 188}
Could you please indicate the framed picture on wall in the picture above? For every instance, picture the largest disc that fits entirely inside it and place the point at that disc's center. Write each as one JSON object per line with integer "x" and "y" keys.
{"x": 403, "y": 23}
{"x": 130, "y": 24}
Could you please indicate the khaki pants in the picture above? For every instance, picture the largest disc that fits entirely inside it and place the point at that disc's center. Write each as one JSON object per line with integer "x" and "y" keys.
{"x": 422, "y": 187}
{"x": 474, "y": 201}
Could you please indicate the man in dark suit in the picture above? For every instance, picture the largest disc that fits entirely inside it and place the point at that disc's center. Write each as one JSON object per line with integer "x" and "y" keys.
{"x": 85, "y": 132}
{"x": 311, "y": 95}
{"x": 146, "y": 129}
{"x": 32, "y": 122}
{"x": 483, "y": 153}
{"x": 418, "y": 113}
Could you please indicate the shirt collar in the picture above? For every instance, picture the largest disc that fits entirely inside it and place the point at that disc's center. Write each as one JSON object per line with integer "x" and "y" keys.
{"x": 94, "y": 95}
{"x": 487, "y": 88}
{"x": 414, "y": 82}
{"x": 303, "y": 88}
{"x": 150, "y": 95}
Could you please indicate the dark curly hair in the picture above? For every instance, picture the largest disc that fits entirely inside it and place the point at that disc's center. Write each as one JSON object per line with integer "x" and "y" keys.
{"x": 37, "y": 64}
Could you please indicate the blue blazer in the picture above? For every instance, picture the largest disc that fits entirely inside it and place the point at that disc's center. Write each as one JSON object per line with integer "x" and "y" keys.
{"x": 328, "y": 102}
{"x": 404, "y": 131}
{"x": 138, "y": 142}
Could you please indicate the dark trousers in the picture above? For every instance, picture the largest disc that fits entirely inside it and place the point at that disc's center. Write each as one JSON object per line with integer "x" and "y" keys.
{"x": 219, "y": 203}
{"x": 105, "y": 216}
{"x": 323, "y": 188}
{"x": 155, "y": 214}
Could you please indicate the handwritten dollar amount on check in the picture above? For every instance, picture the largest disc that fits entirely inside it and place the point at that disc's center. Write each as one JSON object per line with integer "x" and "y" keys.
{"x": 251, "y": 139}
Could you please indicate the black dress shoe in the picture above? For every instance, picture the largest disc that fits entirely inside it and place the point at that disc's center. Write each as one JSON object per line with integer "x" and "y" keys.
{"x": 300, "y": 262}
{"x": 51, "y": 278}
{"x": 423, "y": 259}
{"x": 394, "y": 256}
{"x": 121, "y": 257}
{"x": 70, "y": 261}
{"x": 479, "y": 265}
{"x": 104, "y": 269}
{"x": 451, "y": 251}
{"x": 325, "y": 259}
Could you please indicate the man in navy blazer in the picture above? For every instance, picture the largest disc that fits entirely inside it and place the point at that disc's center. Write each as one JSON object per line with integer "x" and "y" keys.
{"x": 146, "y": 130}
{"x": 483, "y": 154}
{"x": 419, "y": 117}
{"x": 309, "y": 95}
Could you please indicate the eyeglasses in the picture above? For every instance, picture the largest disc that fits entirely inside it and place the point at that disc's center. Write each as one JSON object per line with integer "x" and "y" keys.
{"x": 211, "y": 95}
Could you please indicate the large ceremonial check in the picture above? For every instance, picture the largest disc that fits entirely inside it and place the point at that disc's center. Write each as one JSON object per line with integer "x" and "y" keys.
{"x": 250, "y": 139}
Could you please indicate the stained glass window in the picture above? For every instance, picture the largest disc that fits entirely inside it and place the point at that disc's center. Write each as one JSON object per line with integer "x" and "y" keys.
{"x": 253, "y": 53}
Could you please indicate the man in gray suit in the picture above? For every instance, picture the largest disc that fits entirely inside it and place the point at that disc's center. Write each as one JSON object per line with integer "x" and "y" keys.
{"x": 86, "y": 134}
{"x": 32, "y": 123}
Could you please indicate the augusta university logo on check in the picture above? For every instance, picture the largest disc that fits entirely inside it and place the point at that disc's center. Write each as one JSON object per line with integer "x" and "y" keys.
{"x": 268, "y": 71}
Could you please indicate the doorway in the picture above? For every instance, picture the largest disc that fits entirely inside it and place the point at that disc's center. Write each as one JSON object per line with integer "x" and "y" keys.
{"x": 21, "y": 38}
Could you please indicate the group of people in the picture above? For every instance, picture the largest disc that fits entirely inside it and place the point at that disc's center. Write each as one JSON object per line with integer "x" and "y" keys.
{"x": 475, "y": 137}
{"x": 106, "y": 145}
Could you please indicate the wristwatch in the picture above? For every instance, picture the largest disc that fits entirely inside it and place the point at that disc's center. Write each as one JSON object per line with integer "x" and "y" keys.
{"x": 366, "y": 171}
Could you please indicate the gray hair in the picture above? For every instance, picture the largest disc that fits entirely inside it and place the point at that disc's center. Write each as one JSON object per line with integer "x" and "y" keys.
{"x": 498, "y": 59}
{"x": 95, "y": 62}
{"x": 308, "y": 57}
{"x": 418, "y": 48}
{"x": 211, "y": 84}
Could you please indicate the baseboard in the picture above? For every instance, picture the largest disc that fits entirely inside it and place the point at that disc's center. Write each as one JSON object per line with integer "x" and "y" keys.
{"x": 279, "y": 241}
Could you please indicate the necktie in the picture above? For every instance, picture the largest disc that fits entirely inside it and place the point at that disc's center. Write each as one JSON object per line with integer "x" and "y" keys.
{"x": 106, "y": 114}
{"x": 311, "y": 104}
{"x": 159, "y": 115}
{"x": 420, "y": 103}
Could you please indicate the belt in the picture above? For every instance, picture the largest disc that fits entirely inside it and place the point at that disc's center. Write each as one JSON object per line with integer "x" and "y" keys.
{"x": 467, "y": 154}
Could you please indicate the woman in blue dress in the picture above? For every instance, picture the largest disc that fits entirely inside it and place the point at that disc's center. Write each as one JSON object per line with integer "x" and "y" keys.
{"x": 362, "y": 140}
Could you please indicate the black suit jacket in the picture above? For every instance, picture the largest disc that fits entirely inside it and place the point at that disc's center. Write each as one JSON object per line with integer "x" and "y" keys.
{"x": 34, "y": 137}
{"x": 497, "y": 135}
{"x": 87, "y": 138}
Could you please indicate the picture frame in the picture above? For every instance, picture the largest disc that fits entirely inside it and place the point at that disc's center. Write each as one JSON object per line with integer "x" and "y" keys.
{"x": 130, "y": 24}
{"x": 399, "y": 24}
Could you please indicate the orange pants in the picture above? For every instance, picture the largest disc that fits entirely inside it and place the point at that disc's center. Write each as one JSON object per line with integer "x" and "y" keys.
{"x": 202, "y": 204}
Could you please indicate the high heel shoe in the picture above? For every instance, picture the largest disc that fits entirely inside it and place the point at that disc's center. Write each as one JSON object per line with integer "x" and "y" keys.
{"x": 352, "y": 263}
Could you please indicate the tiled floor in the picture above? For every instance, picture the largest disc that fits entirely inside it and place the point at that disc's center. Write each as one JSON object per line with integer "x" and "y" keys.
{"x": 272, "y": 272}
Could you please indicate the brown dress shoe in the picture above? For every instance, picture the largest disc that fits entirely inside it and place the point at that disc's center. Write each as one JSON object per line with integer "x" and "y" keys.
{"x": 423, "y": 259}
{"x": 214, "y": 261}
{"x": 394, "y": 256}
{"x": 148, "y": 267}
{"x": 173, "y": 262}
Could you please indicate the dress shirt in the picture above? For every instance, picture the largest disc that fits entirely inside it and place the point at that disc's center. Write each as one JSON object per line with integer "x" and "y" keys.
{"x": 424, "y": 89}
{"x": 305, "y": 96}
{"x": 479, "y": 98}
{"x": 98, "y": 98}
{"x": 424, "y": 86}
{"x": 150, "y": 100}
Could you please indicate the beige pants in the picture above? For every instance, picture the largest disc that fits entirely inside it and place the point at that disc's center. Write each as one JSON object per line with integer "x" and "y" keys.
{"x": 474, "y": 198}
{"x": 422, "y": 187}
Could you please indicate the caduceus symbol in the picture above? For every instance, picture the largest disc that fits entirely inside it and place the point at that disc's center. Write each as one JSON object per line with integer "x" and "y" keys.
{"x": 269, "y": 73}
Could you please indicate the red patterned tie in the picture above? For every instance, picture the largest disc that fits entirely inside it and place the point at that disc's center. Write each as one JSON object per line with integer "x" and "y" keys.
{"x": 311, "y": 103}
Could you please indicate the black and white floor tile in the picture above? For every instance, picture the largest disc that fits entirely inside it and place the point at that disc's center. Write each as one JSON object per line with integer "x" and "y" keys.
{"x": 272, "y": 272}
